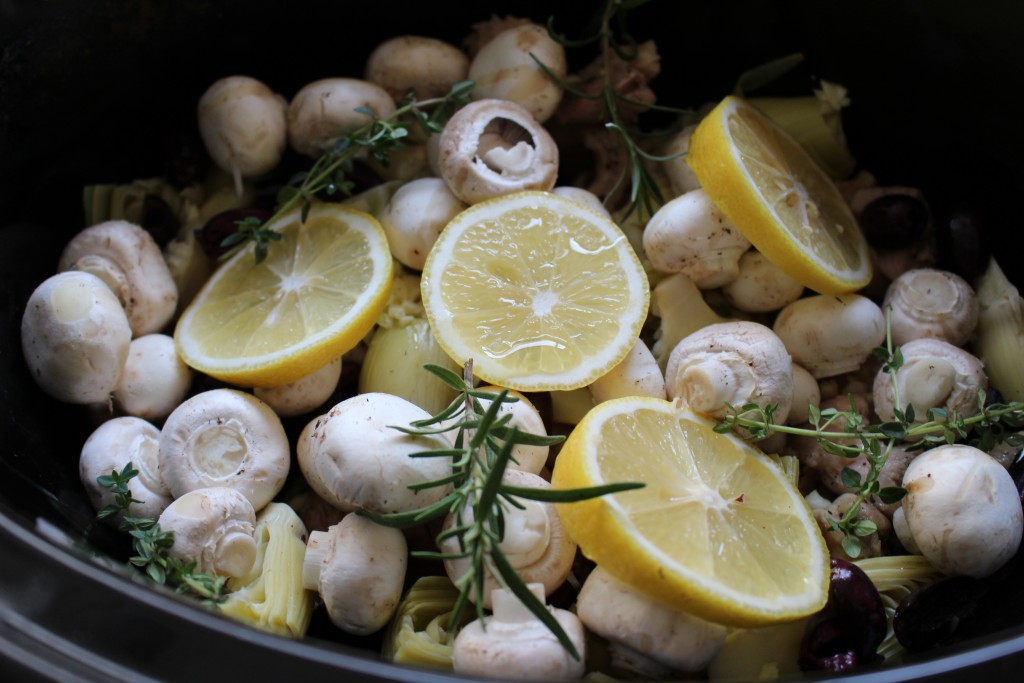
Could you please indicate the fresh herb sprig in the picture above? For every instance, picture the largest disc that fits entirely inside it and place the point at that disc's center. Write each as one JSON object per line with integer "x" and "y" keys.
{"x": 151, "y": 544}
{"x": 479, "y": 497}
{"x": 329, "y": 173}
{"x": 844, "y": 433}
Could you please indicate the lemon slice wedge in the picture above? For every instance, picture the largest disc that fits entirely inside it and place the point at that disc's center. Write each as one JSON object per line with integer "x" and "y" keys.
{"x": 718, "y": 530}
{"x": 779, "y": 198}
{"x": 542, "y": 292}
{"x": 315, "y": 296}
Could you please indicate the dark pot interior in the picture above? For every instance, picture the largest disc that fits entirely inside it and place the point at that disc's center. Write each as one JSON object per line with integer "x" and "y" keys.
{"x": 88, "y": 91}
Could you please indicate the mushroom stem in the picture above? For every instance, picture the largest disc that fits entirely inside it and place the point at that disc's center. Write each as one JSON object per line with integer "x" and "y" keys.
{"x": 709, "y": 385}
{"x": 316, "y": 550}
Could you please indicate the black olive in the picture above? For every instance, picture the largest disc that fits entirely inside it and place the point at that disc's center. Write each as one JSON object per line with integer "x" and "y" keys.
{"x": 894, "y": 221}
{"x": 929, "y": 617}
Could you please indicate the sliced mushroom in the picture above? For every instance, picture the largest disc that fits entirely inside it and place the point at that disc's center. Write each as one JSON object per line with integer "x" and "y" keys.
{"x": 213, "y": 526}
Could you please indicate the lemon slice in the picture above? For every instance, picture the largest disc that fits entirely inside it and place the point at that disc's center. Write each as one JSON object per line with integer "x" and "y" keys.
{"x": 542, "y": 292}
{"x": 718, "y": 530}
{"x": 318, "y": 292}
{"x": 779, "y": 198}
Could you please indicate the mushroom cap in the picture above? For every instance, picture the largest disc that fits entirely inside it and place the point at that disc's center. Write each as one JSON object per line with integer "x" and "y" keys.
{"x": 426, "y": 67}
{"x": 155, "y": 379}
{"x": 354, "y": 457}
{"x": 760, "y": 286}
{"x": 225, "y": 438}
{"x": 242, "y": 123}
{"x": 304, "y": 394}
{"x": 638, "y": 374}
{"x": 963, "y": 510}
{"x": 493, "y": 147}
{"x": 934, "y": 374}
{"x": 75, "y": 337}
{"x": 129, "y": 261}
{"x": 617, "y": 612}
{"x": 113, "y": 445}
{"x": 831, "y": 335}
{"x": 526, "y": 418}
{"x": 213, "y": 526}
{"x": 324, "y": 110}
{"x": 414, "y": 217}
{"x": 731, "y": 363}
{"x": 931, "y": 303}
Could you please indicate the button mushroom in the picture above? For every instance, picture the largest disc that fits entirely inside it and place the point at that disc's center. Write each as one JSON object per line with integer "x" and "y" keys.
{"x": 225, "y": 438}
{"x": 640, "y": 627}
{"x": 493, "y": 147}
{"x": 358, "y": 567}
{"x": 303, "y": 395}
{"x": 760, "y": 286}
{"x": 355, "y": 457}
{"x": 155, "y": 380}
{"x": 931, "y": 303}
{"x": 415, "y": 216}
{"x": 962, "y": 511}
{"x": 831, "y": 335}
{"x": 731, "y": 363}
{"x": 213, "y": 526}
{"x": 513, "y": 643}
{"x": 526, "y": 418}
{"x": 425, "y": 67}
{"x": 324, "y": 110}
{"x": 111, "y": 446}
{"x": 75, "y": 337}
{"x": 638, "y": 374}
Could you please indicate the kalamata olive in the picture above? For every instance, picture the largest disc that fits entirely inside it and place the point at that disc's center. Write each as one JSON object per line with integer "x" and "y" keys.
{"x": 223, "y": 224}
{"x": 894, "y": 221}
{"x": 159, "y": 219}
{"x": 852, "y": 625}
{"x": 929, "y": 617}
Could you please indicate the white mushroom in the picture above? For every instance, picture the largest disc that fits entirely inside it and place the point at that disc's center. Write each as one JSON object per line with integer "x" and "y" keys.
{"x": 75, "y": 336}
{"x": 870, "y": 544}
{"x": 638, "y": 374}
{"x": 583, "y": 196}
{"x": 324, "y": 110}
{"x": 358, "y": 567}
{"x": 962, "y": 511}
{"x": 931, "y": 303}
{"x": 535, "y": 543}
{"x": 513, "y": 643}
{"x": 681, "y": 177}
{"x": 640, "y": 625}
{"x": 493, "y": 147}
{"x": 414, "y": 217}
{"x": 506, "y": 68}
{"x": 111, "y": 446}
{"x": 242, "y": 123}
{"x": 305, "y": 394}
{"x": 831, "y": 335}
{"x": 526, "y": 418}
{"x": 806, "y": 393}
{"x": 761, "y": 286}
{"x": 214, "y": 527}
{"x": 934, "y": 374}
{"x": 689, "y": 234}
{"x": 130, "y": 262}
{"x": 425, "y": 67}
{"x": 681, "y": 310}
{"x": 731, "y": 363}
{"x": 225, "y": 438}
{"x": 354, "y": 456}
{"x": 155, "y": 379}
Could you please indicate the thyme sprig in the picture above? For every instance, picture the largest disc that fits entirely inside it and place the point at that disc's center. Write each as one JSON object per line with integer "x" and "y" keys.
{"x": 845, "y": 433}
{"x": 482, "y": 450}
{"x": 329, "y": 173}
{"x": 151, "y": 544}
{"x": 614, "y": 40}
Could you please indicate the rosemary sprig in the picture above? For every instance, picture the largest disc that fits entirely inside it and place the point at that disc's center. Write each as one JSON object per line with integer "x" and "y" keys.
{"x": 479, "y": 497}
{"x": 151, "y": 544}
{"x": 329, "y": 173}
{"x": 844, "y": 433}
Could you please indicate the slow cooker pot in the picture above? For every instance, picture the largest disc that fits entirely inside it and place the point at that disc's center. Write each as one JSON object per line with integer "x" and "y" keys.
{"x": 88, "y": 92}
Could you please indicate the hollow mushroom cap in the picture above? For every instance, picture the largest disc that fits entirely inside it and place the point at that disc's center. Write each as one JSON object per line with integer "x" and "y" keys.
{"x": 621, "y": 614}
{"x": 506, "y": 68}
{"x": 731, "y": 363}
{"x": 75, "y": 337}
{"x": 425, "y": 67}
{"x": 493, "y": 147}
{"x": 689, "y": 234}
{"x": 225, "y": 438}
{"x": 514, "y": 644}
{"x": 414, "y": 217}
{"x": 242, "y": 123}
{"x": 130, "y": 262}
{"x": 354, "y": 457}
{"x": 324, "y": 110}
{"x": 213, "y": 526}
{"x": 934, "y": 374}
{"x": 155, "y": 379}
{"x": 831, "y": 335}
{"x": 535, "y": 543}
{"x": 931, "y": 303}
{"x": 111, "y": 446}
{"x": 358, "y": 568}
{"x": 962, "y": 510}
